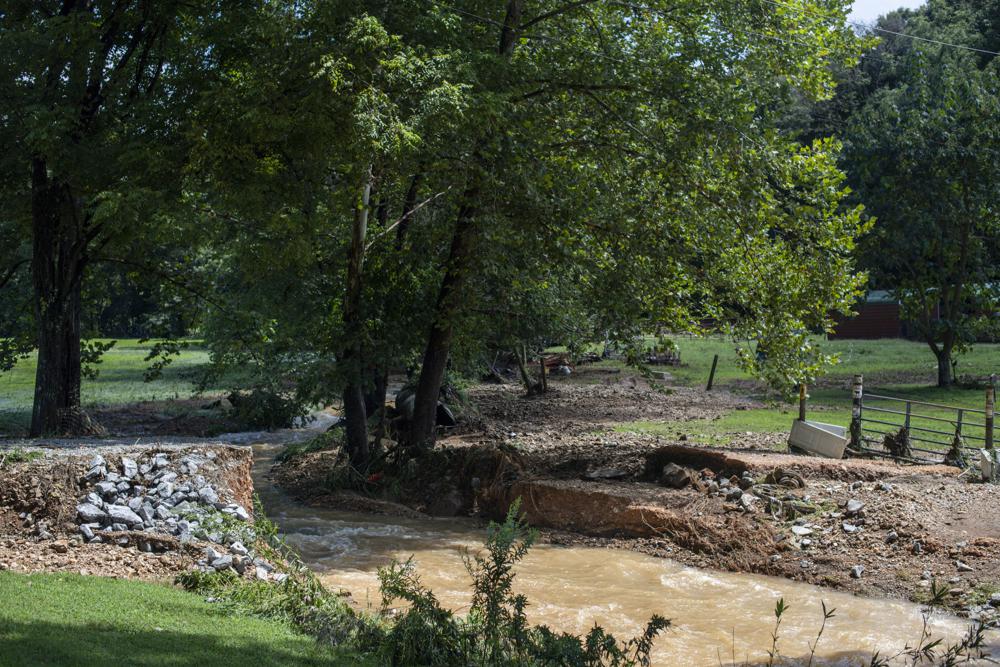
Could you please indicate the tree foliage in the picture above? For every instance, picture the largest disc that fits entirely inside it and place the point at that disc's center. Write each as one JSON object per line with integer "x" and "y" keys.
{"x": 366, "y": 185}
{"x": 919, "y": 120}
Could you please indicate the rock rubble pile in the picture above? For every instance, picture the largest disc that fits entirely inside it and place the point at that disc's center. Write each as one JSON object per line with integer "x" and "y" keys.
{"x": 145, "y": 499}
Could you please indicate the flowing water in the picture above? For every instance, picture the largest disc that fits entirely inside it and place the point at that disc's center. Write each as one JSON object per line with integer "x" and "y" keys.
{"x": 717, "y": 617}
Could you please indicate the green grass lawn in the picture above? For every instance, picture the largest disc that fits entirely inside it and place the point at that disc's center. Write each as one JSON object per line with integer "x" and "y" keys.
{"x": 899, "y": 368}
{"x": 63, "y": 619}
{"x": 119, "y": 381}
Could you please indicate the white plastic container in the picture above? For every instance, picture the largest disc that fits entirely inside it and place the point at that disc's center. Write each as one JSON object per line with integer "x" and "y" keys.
{"x": 987, "y": 465}
{"x": 819, "y": 439}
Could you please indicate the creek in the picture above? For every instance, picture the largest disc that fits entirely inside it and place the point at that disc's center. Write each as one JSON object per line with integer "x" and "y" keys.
{"x": 717, "y": 617}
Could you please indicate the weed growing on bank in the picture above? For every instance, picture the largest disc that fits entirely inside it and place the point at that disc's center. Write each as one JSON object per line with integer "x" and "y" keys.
{"x": 495, "y": 632}
{"x": 927, "y": 650}
{"x": 300, "y": 599}
{"x": 18, "y": 455}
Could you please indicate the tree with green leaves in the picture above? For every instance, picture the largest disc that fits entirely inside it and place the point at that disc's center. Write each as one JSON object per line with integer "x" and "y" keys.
{"x": 94, "y": 93}
{"x": 425, "y": 180}
{"x": 643, "y": 130}
{"x": 919, "y": 120}
{"x": 918, "y": 115}
{"x": 348, "y": 187}
{"x": 307, "y": 179}
{"x": 924, "y": 156}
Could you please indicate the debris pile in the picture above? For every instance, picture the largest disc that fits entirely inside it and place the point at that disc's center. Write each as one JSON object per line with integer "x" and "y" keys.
{"x": 148, "y": 499}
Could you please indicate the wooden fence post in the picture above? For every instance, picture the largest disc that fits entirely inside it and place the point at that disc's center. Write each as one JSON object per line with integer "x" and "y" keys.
{"x": 802, "y": 402}
{"x": 711, "y": 374}
{"x": 990, "y": 403}
{"x": 857, "y": 393}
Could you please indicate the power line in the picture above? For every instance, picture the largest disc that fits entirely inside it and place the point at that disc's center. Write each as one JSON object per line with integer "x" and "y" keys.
{"x": 925, "y": 39}
{"x": 858, "y": 24}
{"x": 776, "y": 3}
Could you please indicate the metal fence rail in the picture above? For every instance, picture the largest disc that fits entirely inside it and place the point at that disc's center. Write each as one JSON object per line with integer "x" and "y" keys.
{"x": 928, "y": 428}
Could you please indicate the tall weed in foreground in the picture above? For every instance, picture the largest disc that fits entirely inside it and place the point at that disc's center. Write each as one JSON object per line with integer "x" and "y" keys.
{"x": 971, "y": 649}
{"x": 496, "y": 631}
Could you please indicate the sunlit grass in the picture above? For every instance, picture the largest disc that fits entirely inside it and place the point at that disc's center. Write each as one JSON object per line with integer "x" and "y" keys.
{"x": 119, "y": 382}
{"x": 897, "y": 368}
{"x": 65, "y": 619}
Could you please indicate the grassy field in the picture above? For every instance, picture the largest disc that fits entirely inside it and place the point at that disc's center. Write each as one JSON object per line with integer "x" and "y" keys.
{"x": 119, "y": 381}
{"x": 63, "y": 619}
{"x": 898, "y": 368}
{"x": 894, "y": 367}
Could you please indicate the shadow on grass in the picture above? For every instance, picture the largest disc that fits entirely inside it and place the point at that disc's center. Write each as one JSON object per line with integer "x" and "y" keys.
{"x": 69, "y": 619}
{"x": 14, "y": 423}
{"x": 43, "y": 643}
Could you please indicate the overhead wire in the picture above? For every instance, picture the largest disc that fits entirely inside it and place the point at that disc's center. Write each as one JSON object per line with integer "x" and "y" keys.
{"x": 859, "y": 24}
{"x": 777, "y": 3}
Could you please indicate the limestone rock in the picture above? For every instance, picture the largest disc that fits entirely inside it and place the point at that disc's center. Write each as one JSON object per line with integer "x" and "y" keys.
{"x": 90, "y": 513}
{"x": 122, "y": 514}
{"x": 129, "y": 468}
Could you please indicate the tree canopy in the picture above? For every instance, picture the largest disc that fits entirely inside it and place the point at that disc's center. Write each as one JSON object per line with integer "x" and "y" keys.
{"x": 355, "y": 186}
{"x": 919, "y": 117}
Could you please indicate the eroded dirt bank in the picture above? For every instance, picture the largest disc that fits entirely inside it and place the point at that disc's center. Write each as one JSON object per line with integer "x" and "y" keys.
{"x": 874, "y": 528}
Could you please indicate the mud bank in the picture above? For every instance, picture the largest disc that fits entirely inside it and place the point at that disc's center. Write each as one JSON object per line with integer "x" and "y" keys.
{"x": 871, "y": 528}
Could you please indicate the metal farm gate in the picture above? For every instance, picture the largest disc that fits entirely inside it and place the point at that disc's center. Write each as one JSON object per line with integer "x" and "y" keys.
{"x": 919, "y": 430}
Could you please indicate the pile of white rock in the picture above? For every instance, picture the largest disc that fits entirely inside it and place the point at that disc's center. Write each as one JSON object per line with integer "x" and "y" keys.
{"x": 155, "y": 496}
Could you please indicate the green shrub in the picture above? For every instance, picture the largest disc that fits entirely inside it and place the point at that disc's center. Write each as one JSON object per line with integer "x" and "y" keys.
{"x": 329, "y": 440}
{"x": 496, "y": 631}
{"x": 265, "y": 408}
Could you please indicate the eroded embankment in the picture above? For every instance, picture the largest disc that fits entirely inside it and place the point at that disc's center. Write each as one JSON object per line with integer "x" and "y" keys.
{"x": 144, "y": 512}
{"x": 868, "y": 527}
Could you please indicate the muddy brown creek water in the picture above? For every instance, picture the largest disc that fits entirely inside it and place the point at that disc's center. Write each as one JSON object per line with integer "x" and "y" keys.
{"x": 715, "y": 616}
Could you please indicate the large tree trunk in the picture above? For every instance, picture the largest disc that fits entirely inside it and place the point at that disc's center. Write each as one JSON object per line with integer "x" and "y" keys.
{"x": 375, "y": 405}
{"x": 58, "y": 260}
{"x": 439, "y": 341}
{"x": 355, "y": 415}
{"x": 945, "y": 375}
{"x": 356, "y": 426}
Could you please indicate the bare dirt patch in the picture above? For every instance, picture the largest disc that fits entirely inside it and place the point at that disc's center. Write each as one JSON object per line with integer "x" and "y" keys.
{"x": 591, "y": 400}
{"x": 183, "y": 417}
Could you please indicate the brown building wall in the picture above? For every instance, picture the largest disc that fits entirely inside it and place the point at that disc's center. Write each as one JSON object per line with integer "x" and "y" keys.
{"x": 874, "y": 320}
